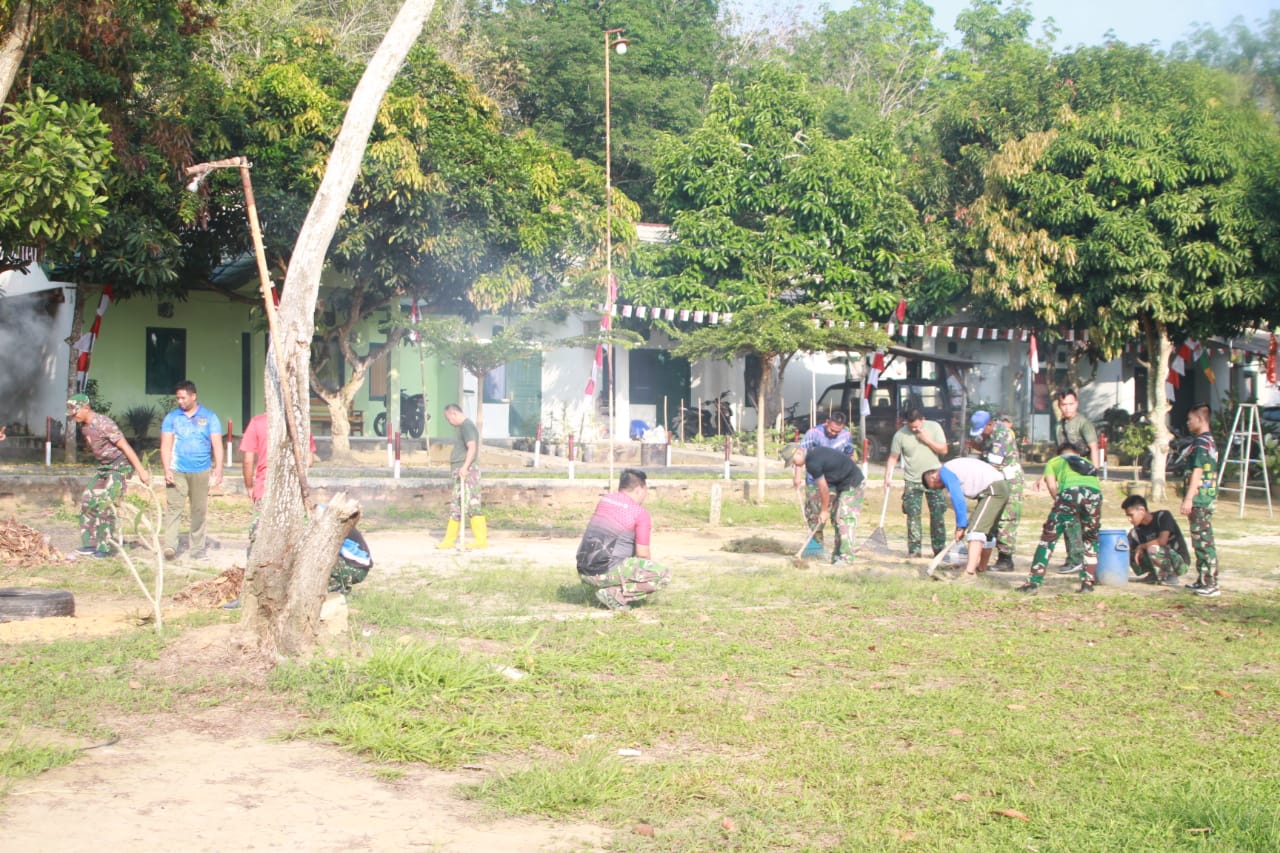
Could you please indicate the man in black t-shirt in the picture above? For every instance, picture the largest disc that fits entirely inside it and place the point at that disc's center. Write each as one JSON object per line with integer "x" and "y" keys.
{"x": 840, "y": 492}
{"x": 1157, "y": 551}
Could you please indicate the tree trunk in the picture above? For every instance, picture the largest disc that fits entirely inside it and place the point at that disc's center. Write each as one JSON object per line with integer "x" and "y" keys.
{"x": 1160, "y": 350}
{"x": 339, "y": 404}
{"x": 761, "y": 428}
{"x": 13, "y": 44}
{"x": 290, "y": 560}
{"x": 480, "y": 405}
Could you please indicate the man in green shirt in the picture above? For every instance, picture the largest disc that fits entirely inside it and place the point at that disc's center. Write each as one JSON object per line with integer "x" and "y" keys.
{"x": 464, "y": 463}
{"x": 1076, "y": 514}
{"x": 920, "y": 444}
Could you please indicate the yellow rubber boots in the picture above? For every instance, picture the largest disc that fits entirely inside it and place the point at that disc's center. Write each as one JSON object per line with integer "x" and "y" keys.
{"x": 450, "y": 535}
{"x": 479, "y": 532}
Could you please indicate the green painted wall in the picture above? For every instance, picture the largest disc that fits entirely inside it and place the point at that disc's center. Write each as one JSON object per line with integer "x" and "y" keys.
{"x": 215, "y": 362}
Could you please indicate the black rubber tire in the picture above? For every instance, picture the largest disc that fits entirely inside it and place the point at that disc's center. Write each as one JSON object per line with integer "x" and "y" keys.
{"x": 18, "y": 603}
{"x": 380, "y": 424}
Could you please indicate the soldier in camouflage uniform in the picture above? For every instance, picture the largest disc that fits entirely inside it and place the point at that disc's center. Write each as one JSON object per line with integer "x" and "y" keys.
{"x": 918, "y": 443}
{"x": 834, "y": 435}
{"x": 1076, "y": 516}
{"x": 840, "y": 492}
{"x": 1200, "y": 495}
{"x": 115, "y": 460}
{"x": 997, "y": 445}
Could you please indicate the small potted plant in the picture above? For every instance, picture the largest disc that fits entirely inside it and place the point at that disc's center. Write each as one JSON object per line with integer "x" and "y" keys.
{"x": 1135, "y": 444}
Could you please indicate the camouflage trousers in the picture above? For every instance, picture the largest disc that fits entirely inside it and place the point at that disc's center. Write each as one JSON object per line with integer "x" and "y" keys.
{"x": 845, "y": 509}
{"x": 1202, "y": 545}
{"x": 630, "y": 580}
{"x": 914, "y": 496}
{"x": 472, "y": 490}
{"x": 1165, "y": 562}
{"x": 1007, "y": 532}
{"x": 1076, "y": 516}
{"x": 98, "y": 504}
{"x": 813, "y": 506}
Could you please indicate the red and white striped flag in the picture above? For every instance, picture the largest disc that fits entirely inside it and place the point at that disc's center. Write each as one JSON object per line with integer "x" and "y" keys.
{"x": 85, "y": 344}
{"x": 1035, "y": 355}
{"x": 606, "y": 322}
{"x": 873, "y": 380}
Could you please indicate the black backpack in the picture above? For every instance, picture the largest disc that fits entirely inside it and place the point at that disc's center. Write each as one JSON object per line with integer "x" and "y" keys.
{"x": 594, "y": 555}
{"x": 1081, "y": 466}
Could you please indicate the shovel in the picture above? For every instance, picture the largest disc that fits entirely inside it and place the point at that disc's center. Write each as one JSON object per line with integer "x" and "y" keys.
{"x": 877, "y": 541}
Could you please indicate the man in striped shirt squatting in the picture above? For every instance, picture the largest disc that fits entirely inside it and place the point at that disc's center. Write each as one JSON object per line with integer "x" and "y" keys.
{"x": 613, "y": 557}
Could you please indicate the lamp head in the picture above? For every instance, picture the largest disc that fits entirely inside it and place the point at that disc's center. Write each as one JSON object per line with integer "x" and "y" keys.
{"x": 194, "y": 184}
{"x": 620, "y": 46}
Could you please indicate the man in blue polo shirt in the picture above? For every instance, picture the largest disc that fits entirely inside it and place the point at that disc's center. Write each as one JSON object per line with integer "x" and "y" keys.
{"x": 191, "y": 452}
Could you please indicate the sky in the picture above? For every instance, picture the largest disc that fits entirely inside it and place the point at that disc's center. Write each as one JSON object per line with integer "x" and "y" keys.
{"x": 1086, "y": 21}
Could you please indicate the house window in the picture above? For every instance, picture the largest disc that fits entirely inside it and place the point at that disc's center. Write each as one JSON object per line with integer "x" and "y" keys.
{"x": 166, "y": 359}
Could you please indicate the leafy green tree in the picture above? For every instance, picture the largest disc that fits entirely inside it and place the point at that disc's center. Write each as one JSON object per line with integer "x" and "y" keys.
{"x": 132, "y": 60}
{"x": 765, "y": 206}
{"x": 453, "y": 340}
{"x": 449, "y": 210}
{"x": 768, "y": 212}
{"x": 53, "y": 162}
{"x": 773, "y": 333}
{"x": 659, "y": 86}
{"x": 879, "y": 61}
{"x": 1251, "y": 54}
{"x": 1145, "y": 211}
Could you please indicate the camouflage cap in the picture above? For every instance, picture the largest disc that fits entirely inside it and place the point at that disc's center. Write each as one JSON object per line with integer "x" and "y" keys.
{"x": 75, "y": 401}
{"x": 788, "y": 452}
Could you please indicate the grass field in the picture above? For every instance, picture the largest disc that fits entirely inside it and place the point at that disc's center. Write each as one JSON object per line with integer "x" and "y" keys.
{"x": 760, "y": 707}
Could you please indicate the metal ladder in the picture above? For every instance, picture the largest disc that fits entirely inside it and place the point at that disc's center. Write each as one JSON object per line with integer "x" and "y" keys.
{"x": 1246, "y": 437}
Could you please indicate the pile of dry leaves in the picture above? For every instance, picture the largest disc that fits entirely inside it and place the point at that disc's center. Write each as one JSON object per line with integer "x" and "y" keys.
{"x": 22, "y": 546}
{"x": 213, "y": 592}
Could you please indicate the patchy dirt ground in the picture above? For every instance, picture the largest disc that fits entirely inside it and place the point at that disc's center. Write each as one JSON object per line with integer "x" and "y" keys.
{"x": 221, "y": 779}
{"x": 208, "y": 779}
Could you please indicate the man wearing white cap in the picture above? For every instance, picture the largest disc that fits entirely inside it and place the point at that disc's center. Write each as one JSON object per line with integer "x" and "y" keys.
{"x": 997, "y": 445}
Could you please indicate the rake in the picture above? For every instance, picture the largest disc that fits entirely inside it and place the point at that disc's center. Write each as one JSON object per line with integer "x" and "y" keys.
{"x": 878, "y": 541}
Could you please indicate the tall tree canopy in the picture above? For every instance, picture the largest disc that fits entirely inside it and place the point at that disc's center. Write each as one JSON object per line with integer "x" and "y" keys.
{"x": 765, "y": 206}
{"x": 448, "y": 210}
{"x": 1145, "y": 212}
{"x": 660, "y": 85}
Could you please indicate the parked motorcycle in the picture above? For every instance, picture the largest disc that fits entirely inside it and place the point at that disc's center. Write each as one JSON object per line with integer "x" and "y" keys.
{"x": 413, "y": 416}
{"x": 714, "y": 418}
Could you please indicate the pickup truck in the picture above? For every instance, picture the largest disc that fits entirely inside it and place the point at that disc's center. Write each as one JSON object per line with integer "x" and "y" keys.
{"x": 890, "y": 402}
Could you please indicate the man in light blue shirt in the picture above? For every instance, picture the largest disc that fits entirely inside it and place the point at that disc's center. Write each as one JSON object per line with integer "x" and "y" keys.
{"x": 191, "y": 452}
{"x": 970, "y": 479}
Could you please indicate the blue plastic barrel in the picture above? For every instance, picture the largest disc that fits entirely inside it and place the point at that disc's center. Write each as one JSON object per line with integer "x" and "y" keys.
{"x": 1113, "y": 557}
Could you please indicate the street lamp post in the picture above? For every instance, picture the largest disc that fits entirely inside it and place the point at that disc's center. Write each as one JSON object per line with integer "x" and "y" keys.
{"x": 613, "y": 41}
